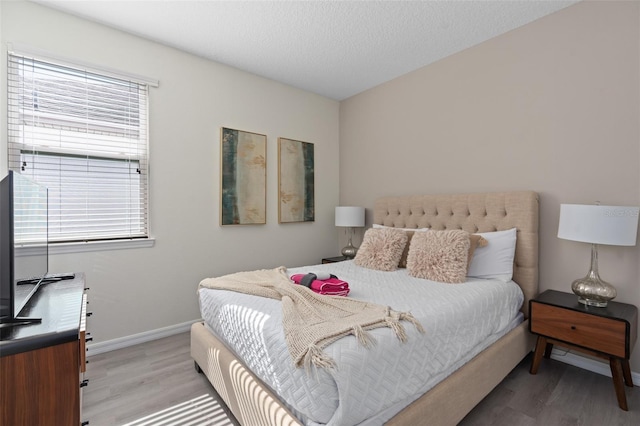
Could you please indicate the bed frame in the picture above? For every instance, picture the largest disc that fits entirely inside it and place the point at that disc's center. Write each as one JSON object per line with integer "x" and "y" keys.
{"x": 254, "y": 404}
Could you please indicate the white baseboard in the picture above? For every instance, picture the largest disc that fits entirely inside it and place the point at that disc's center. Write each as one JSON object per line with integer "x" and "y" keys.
{"x": 134, "y": 339}
{"x": 590, "y": 364}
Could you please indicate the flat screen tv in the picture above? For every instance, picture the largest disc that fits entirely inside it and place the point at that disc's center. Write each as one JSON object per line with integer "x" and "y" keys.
{"x": 23, "y": 245}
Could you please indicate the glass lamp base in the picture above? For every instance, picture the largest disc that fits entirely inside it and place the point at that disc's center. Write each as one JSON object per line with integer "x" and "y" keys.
{"x": 349, "y": 251}
{"x": 591, "y": 302}
{"x": 593, "y": 292}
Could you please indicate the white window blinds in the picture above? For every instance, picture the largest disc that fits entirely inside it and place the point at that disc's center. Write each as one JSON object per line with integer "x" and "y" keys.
{"x": 84, "y": 136}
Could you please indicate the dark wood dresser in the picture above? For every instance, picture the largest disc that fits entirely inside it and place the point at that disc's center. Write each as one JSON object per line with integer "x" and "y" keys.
{"x": 42, "y": 365}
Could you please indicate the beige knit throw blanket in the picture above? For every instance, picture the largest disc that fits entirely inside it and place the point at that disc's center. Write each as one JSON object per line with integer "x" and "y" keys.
{"x": 312, "y": 321}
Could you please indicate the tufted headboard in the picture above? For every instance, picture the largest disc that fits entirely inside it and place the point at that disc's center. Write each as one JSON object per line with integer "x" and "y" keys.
{"x": 481, "y": 212}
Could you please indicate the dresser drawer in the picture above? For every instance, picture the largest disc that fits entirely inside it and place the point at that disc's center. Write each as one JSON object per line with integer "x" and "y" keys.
{"x": 591, "y": 331}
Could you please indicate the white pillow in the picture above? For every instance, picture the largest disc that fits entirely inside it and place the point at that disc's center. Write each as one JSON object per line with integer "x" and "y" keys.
{"x": 495, "y": 260}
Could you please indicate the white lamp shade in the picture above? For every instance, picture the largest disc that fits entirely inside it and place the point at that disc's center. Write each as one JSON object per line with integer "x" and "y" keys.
{"x": 350, "y": 216}
{"x": 611, "y": 225}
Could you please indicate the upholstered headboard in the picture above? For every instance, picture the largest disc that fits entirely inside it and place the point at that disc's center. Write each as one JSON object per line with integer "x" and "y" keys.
{"x": 481, "y": 212}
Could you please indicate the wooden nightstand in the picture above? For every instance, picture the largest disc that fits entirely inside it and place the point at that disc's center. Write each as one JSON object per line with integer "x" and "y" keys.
{"x": 334, "y": 259}
{"x": 610, "y": 333}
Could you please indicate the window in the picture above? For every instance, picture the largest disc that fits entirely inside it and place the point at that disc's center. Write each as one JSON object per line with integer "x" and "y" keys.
{"x": 83, "y": 134}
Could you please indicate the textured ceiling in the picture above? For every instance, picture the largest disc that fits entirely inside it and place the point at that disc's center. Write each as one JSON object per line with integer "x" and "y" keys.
{"x": 334, "y": 48}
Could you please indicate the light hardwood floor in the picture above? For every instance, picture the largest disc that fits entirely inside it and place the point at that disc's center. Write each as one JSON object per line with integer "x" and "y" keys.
{"x": 155, "y": 383}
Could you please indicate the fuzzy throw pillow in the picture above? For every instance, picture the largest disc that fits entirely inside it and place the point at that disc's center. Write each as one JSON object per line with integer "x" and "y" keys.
{"x": 381, "y": 249}
{"x": 439, "y": 256}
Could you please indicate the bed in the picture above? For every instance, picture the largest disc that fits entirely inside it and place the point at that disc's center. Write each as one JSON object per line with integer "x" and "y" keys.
{"x": 255, "y": 403}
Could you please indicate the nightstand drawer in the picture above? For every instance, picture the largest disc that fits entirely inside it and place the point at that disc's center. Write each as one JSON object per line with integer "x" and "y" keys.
{"x": 590, "y": 331}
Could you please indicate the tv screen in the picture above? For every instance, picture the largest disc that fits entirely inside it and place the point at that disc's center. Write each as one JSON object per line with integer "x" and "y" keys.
{"x": 24, "y": 242}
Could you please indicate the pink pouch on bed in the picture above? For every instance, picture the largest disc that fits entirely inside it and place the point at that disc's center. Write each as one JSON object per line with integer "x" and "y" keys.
{"x": 331, "y": 286}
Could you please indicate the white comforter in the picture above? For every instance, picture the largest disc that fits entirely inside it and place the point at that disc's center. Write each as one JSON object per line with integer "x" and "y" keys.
{"x": 369, "y": 386}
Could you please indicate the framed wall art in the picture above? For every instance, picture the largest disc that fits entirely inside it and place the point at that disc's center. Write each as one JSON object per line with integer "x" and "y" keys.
{"x": 295, "y": 181}
{"x": 243, "y": 181}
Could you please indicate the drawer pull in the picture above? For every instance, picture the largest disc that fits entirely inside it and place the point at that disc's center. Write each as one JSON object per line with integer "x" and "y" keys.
{"x": 573, "y": 327}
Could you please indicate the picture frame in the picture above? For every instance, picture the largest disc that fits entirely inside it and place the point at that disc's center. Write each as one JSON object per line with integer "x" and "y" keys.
{"x": 296, "y": 181}
{"x": 243, "y": 158}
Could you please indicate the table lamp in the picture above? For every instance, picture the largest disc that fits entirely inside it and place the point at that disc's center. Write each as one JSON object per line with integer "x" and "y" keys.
{"x": 595, "y": 224}
{"x": 350, "y": 217}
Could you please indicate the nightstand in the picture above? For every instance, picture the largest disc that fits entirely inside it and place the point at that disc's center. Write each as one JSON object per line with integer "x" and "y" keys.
{"x": 334, "y": 259}
{"x": 610, "y": 333}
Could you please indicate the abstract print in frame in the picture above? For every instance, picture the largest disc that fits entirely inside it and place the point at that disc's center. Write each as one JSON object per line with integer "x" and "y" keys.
{"x": 243, "y": 157}
{"x": 295, "y": 181}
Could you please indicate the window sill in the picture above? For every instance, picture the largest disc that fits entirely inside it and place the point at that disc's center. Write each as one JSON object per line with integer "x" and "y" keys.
{"x": 64, "y": 248}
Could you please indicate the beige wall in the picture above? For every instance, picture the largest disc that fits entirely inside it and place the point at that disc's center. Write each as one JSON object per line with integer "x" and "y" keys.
{"x": 138, "y": 290}
{"x": 552, "y": 107}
